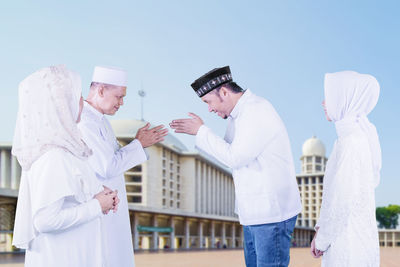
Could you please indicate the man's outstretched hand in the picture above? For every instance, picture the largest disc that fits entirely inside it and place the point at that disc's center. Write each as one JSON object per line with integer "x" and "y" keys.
{"x": 188, "y": 126}
{"x": 149, "y": 137}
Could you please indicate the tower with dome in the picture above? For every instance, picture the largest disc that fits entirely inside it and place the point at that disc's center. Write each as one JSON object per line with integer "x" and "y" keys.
{"x": 310, "y": 181}
{"x": 313, "y": 159}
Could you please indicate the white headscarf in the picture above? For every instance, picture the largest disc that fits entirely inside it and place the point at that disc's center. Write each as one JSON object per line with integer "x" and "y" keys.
{"x": 349, "y": 98}
{"x": 47, "y": 114}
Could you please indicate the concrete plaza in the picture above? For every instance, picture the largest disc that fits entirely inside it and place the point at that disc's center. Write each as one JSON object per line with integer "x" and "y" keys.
{"x": 300, "y": 257}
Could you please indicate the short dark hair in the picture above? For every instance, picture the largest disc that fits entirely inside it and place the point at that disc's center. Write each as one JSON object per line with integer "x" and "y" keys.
{"x": 232, "y": 86}
{"x": 94, "y": 84}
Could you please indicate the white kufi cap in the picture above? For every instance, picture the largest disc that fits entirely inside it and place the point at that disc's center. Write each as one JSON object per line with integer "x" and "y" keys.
{"x": 110, "y": 75}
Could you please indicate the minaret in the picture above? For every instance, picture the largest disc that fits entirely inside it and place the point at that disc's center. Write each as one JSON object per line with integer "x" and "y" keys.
{"x": 313, "y": 159}
{"x": 310, "y": 181}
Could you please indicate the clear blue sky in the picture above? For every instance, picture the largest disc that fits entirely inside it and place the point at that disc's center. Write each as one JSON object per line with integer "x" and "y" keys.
{"x": 278, "y": 49}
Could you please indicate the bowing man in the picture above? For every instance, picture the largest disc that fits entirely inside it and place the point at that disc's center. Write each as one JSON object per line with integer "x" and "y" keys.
{"x": 256, "y": 147}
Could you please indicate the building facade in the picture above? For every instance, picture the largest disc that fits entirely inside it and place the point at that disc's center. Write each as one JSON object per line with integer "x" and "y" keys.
{"x": 178, "y": 199}
{"x": 184, "y": 200}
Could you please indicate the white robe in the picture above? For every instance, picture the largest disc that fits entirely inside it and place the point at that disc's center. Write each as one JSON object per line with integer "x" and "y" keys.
{"x": 348, "y": 232}
{"x": 347, "y": 225}
{"x": 110, "y": 162}
{"x": 58, "y": 221}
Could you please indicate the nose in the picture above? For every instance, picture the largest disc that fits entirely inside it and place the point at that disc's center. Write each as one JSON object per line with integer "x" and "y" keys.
{"x": 121, "y": 101}
{"x": 210, "y": 109}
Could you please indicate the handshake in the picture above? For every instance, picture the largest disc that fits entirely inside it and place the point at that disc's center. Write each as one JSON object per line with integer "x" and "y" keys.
{"x": 108, "y": 200}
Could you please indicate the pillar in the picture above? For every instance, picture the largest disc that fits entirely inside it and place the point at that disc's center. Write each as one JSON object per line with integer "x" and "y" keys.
{"x": 155, "y": 234}
{"x": 385, "y": 238}
{"x": 15, "y": 173}
{"x": 4, "y": 167}
{"x": 200, "y": 233}
{"x": 212, "y": 234}
{"x": 393, "y": 239}
{"x": 172, "y": 234}
{"x": 187, "y": 234}
{"x": 223, "y": 241}
{"x": 135, "y": 231}
{"x": 233, "y": 243}
{"x": 241, "y": 236}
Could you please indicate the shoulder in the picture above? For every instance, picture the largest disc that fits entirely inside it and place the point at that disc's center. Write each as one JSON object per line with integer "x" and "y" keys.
{"x": 260, "y": 104}
{"x": 55, "y": 161}
{"x": 56, "y": 154}
{"x": 89, "y": 122}
{"x": 89, "y": 116}
{"x": 260, "y": 110}
{"x": 353, "y": 146}
{"x": 356, "y": 141}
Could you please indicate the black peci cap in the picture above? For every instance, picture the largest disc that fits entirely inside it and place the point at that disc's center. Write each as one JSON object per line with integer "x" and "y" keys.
{"x": 212, "y": 80}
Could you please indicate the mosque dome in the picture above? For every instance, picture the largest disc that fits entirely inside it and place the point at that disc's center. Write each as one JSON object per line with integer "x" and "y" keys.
{"x": 313, "y": 147}
{"x": 128, "y": 129}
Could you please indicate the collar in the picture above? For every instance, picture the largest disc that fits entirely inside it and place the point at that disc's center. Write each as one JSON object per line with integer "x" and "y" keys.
{"x": 98, "y": 115}
{"x": 235, "y": 111}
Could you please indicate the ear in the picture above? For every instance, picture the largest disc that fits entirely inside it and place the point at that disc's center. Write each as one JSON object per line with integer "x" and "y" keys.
{"x": 223, "y": 92}
{"x": 101, "y": 90}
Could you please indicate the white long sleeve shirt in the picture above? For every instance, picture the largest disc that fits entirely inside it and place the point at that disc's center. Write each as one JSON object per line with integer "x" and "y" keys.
{"x": 109, "y": 161}
{"x": 57, "y": 220}
{"x": 256, "y": 147}
{"x": 64, "y": 214}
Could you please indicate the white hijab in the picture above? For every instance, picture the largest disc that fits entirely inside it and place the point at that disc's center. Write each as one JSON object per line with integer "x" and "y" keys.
{"x": 349, "y": 98}
{"x": 47, "y": 114}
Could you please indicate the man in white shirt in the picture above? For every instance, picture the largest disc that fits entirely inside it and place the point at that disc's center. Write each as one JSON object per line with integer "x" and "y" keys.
{"x": 109, "y": 160}
{"x": 257, "y": 149}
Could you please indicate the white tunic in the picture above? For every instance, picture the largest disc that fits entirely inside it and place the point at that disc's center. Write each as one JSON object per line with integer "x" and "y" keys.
{"x": 58, "y": 213}
{"x": 256, "y": 147}
{"x": 347, "y": 225}
{"x": 110, "y": 162}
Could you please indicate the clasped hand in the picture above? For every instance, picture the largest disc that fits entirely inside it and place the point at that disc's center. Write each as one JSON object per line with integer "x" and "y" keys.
{"x": 108, "y": 200}
{"x": 316, "y": 253}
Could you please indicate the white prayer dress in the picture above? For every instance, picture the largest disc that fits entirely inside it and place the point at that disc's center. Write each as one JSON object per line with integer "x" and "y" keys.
{"x": 348, "y": 232}
{"x": 58, "y": 222}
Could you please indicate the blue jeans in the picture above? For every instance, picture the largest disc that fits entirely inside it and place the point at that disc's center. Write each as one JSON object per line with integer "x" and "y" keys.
{"x": 268, "y": 244}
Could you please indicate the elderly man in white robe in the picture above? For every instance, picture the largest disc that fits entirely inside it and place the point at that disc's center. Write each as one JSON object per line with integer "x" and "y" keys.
{"x": 256, "y": 147}
{"x": 60, "y": 203}
{"x": 109, "y": 160}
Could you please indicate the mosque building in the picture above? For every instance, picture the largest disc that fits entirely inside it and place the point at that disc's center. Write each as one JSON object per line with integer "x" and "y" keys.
{"x": 184, "y": 200}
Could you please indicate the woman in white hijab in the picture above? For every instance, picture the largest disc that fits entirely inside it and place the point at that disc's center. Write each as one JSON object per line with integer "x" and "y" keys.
{"x": 60, "y": 202}
{"x": 347, "y": 233}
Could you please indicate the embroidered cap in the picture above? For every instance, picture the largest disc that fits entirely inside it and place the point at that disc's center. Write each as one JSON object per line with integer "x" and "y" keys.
{"x": 212, "y": 80}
